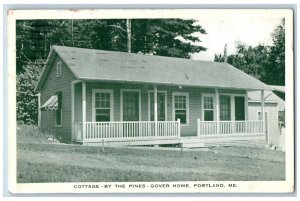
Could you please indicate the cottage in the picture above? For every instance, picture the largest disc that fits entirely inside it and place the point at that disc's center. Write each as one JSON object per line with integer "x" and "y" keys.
{"x": 91, "y": 96}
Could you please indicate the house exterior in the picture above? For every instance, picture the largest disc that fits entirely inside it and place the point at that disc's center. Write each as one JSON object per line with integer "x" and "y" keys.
{"x": 93, "y": 96}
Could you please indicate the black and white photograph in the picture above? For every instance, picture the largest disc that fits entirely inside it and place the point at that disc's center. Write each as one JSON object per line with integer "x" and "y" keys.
{"x": 162, "y": 100}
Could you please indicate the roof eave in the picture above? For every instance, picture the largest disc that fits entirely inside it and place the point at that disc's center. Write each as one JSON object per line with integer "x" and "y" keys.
{"x": 171, "y": 84}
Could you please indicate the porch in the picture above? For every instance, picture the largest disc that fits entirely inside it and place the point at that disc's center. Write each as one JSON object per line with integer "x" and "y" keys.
{"x": 125, "y": 114}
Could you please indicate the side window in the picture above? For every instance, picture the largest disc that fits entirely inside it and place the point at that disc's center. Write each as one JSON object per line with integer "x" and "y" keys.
{"x": 58, "y": 69}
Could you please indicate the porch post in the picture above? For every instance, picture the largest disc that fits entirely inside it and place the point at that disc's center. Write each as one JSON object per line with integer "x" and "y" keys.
{"x": 263, "y": 115}
{"x": 39, "y": 110}
{"x": 72, "y": 110}
{"x": 246, "y": 106}
{"x": 83, "y": 111}
{"x": 232, "y": 113}
{"x": 198, "y": 127}
{"x": 155, "y": 109}
{"x": 217, "y": 110}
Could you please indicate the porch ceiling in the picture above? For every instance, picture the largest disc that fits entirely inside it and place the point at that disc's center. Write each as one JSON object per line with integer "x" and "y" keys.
{"x": 90, "y": 64}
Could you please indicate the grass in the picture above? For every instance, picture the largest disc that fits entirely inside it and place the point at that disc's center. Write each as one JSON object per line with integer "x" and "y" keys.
{"x": 41, "y": 161}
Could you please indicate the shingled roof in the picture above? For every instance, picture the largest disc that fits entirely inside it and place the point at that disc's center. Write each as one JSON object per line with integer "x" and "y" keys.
{"x": 91, "y": 64}
{"x": 270, "y": 97}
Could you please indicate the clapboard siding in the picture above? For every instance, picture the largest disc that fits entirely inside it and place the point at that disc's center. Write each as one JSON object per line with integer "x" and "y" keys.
{"x": 272, "y": 111}
{"x": 78, "y": 102}
{"x": 54, "y": 84}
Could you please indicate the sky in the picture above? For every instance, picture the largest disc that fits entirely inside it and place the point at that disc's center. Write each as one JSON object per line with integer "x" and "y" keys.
{"x": 249, "y": 30}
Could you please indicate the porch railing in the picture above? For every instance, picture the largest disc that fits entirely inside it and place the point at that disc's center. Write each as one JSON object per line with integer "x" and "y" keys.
{"x": 229, "y": 127}
{"x": 129, "y": 130}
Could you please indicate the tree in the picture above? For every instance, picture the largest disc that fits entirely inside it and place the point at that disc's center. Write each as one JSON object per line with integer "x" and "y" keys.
{"x": 27, "y": 105}
{"x": 275, "y": 71}
{"x": 165, "y": 37}
{"x": 251, "y": 60}
{"x": 266, "y": 63}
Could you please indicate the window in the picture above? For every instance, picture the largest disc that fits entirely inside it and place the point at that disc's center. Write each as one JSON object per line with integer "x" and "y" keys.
{"x": 181, "y": 107}
{"x": 58, "y": 69}
{"x": 225, "y": 109}
{"x": 208, "y": 107}
{"x": 102, "y": 105}
{"x": 161, "y": 106}
{"x": 58, "y": 112}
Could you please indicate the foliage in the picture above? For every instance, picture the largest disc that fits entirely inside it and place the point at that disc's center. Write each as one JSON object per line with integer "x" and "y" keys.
{"x": 249, "y": 59}
{"x": 266, "y": 63}
{"x": 281, "y": 118}
{"x": 165, "y": 37}
{"x": 275, "y": 71}
{"x": 27, "y": 102}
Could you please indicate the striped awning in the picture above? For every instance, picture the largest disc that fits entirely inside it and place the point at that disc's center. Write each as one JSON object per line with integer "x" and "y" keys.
{"x": 51, "y": 104}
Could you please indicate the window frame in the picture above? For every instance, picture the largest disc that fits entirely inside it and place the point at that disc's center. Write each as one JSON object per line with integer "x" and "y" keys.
{"x": 149, "y": 102}
{"x": 110, "y": 91}
{"x": 58, "y": 69}
{"x": 186, "y": 94}
{"x": 121, "y": 102}
{"x": 61, "y": 118}
{"x": 214, "y": 105}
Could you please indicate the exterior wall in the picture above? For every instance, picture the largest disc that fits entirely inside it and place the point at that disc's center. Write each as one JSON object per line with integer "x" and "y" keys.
{"x": 52, "y": 85}
{"x": 78, "y": 102}
{"x": 272, "y": 112}
{"x": 189, "y": 129}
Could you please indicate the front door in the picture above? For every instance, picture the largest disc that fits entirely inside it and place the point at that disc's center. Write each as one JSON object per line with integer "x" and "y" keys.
{"x": 239, "y": 108}
{"x": 131, "y": 106}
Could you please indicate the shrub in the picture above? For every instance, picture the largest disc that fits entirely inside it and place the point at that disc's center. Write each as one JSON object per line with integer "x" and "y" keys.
{"x": 27, "y": 101}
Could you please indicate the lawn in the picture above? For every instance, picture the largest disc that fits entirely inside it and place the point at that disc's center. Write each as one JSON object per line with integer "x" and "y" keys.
{"x": 38, "y": 160}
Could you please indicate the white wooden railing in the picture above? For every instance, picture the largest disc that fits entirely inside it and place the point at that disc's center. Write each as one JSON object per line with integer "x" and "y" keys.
{"x": 229, "y": 127}
{"x": 129, "y": 130}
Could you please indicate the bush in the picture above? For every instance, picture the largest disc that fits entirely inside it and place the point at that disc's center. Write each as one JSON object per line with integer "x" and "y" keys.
{"x": 27, "y": 101}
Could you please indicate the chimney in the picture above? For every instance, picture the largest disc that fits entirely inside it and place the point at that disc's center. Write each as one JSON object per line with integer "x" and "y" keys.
{"x": 225, "y": 53}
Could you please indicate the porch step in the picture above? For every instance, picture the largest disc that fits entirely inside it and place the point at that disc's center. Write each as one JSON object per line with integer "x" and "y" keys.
{"x": 77, "y": 142}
